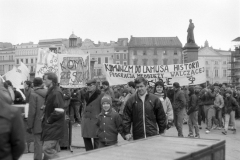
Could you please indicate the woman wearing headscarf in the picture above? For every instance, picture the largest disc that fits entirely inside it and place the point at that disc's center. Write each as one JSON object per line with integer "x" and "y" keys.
{"x": 159, "y": 90}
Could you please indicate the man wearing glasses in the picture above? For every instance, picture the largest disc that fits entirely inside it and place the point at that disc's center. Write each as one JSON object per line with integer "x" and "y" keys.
{"x": 90, "y": 113}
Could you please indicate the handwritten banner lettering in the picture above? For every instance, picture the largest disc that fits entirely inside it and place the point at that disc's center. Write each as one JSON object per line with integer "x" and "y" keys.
{"x": 73, "y": 70}
{"x": 186, "y": 74}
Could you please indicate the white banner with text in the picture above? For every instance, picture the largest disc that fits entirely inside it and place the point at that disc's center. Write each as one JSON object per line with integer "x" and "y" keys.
{"x": 185, "y": 74}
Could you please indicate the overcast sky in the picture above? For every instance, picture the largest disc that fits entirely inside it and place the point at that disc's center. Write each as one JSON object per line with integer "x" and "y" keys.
{"x": 217, "y": 21}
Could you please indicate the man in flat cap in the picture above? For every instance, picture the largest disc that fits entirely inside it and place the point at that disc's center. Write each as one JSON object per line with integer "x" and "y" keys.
{"x": 90, "y": 113}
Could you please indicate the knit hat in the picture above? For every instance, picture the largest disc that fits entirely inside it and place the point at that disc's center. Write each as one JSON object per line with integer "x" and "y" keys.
{"x": 37, "y": 82}
{"x": 176, "y": 85}
{"x": 107, "y": 99}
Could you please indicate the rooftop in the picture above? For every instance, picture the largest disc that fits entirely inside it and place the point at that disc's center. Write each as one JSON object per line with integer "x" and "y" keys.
{"x": 155, "y": 42}
{"x": 236, "y": 39}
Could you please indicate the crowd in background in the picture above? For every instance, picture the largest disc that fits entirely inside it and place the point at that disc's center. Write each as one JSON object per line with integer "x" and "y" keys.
{"x": 135, "y": 110}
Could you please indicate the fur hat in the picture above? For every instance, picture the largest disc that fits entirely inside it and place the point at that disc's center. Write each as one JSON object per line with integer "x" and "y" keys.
{"x": 107, "y": 99}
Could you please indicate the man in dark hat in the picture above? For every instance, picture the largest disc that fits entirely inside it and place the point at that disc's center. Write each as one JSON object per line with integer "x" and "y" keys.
{"x": 92, "y": 109}
{"x": 36, "y": 101}
{"x": 179, "y": 104}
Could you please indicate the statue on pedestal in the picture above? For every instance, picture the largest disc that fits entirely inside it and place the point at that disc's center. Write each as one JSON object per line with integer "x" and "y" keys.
{"x": 190, "y": 36}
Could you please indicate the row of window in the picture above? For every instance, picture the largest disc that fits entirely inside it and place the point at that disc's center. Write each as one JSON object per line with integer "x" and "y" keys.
{"x": 10, "y": 57}
{"x": 216, "y": 62}
{"x": 10, "y": 67}
{"x": 155, "y": 62}
{"x": 27, "y": 52}
{"x": 99, "y": 60}
{"x": 26, "y": 61}
{"x": 216, "y": 73}
{"x": 118, "y": 56}
{"x": 155, "y": 53}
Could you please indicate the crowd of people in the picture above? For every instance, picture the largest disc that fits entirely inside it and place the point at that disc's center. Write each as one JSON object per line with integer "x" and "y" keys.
{"x": 134, "y": 110}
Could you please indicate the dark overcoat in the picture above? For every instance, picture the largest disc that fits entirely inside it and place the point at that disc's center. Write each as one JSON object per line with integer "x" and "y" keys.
{"x": 90, "y": 114}
{"x": 53, "y": 122}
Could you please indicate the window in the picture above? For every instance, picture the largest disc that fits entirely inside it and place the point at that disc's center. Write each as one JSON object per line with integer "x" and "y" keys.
{"x": 135, "y": 61}
{"x": 164, "y": 52}
{"x": 31, "y": 60}
{"x": 36, "y": 60}
{"x": 96, "y": 51}
{"x": 124, "y": 50}
{"x": 21, "y": 60}
{"x": 17, "y": 61}
{"x": 206, "y": 62}
{"x": 31, "y": 68}
{"x": 175, "y": 52}
{"x": 224, "y": 62}
{"x": 175, "y": 61}
{"x": 99, "y": 60}
{"x": 207, "y": 73}
{"x": 26, "y": 61}
{"x": 124, "y": 56}
{"x": 216, "y": 62}
{"x": 144, "y": 53}
{"x": 117, "y": 56}
{"x": 216, "y": 73}
{"x": 224, "y": 73}
{"x": 155, "y": 51}
{"x": 125, "y": 63}
{"x": 135, "y": 52}
{"x": 145, "y": 62}
{"x": 155, "y": 61}
{"x": 117, "y": 62}
{"x": 117, "y": 50}
{"x": 106, "y": 59}
{"x": 165, "y": 62}
{"x": 99, "y": 72}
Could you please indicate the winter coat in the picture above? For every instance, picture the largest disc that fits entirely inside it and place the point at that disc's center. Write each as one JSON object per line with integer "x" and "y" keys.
{"x": 207, "y": 98}
{"x": 35, "y": 113}
{"x": 5, "y": 95}
{"x": 53, "y": 122}
{"x": 109, "y": 125}
{"x": 193, "y": 102}
{"x": 12, "y": 133}
{"x": 219, "y": 102}
{"x": 179, "y": 100}
{"x": 144, "y": 116}
{"x": 27, "y": 94}
{"x": 90, "y": 114}
{"x": 167, "y": 106}
{"x": 67, "y": 98}
{"x": 230, "y": 104}
{"x": 18, "y": 98}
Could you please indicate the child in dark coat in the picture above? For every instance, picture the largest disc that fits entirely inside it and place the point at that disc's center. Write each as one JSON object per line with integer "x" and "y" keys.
{"x": 109, "y": 123}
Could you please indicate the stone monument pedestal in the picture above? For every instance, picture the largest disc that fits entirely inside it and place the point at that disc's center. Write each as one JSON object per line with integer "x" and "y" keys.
{"x": 190, "y": 51}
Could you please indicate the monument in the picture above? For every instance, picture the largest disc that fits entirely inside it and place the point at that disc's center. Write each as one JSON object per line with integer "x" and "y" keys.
{"x": 190, "y": 49}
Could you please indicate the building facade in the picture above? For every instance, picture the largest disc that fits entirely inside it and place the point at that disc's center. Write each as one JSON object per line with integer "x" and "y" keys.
{"x": 27, "y": 53}
{"x": 7, "y": 56}
{"x": 217, "y": 64}
{"x": 101, "y": 53}
{"x": 120, "y": 55}
{"x": 54, "y": 45}
{"x": 154, "y": 51}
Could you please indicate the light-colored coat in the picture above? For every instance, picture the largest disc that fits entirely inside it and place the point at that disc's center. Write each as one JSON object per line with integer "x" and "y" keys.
{"x": 219, "y": 102}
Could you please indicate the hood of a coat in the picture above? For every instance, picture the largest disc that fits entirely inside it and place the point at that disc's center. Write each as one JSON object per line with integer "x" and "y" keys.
{"x": 41, "y": 91}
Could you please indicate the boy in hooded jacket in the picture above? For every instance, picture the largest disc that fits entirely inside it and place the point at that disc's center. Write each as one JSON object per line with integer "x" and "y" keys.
{"x": 109, "y": 123}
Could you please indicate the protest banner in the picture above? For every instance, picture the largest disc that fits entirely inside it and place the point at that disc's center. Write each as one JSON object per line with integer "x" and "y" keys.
{"x": 186, "y": 74}
{"x": 73, "y": 70}
{"x": 46, "y": 62}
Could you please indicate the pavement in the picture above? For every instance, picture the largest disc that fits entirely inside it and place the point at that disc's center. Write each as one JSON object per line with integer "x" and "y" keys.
{"x": 232, "y": 141}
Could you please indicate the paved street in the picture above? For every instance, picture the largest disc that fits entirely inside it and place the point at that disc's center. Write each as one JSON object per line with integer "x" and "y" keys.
{"x": 232, "y": 141}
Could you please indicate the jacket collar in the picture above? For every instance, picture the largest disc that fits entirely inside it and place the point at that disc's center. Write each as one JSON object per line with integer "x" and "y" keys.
{"x": 94, "y": 96}
{"x": 103, "y": 113}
